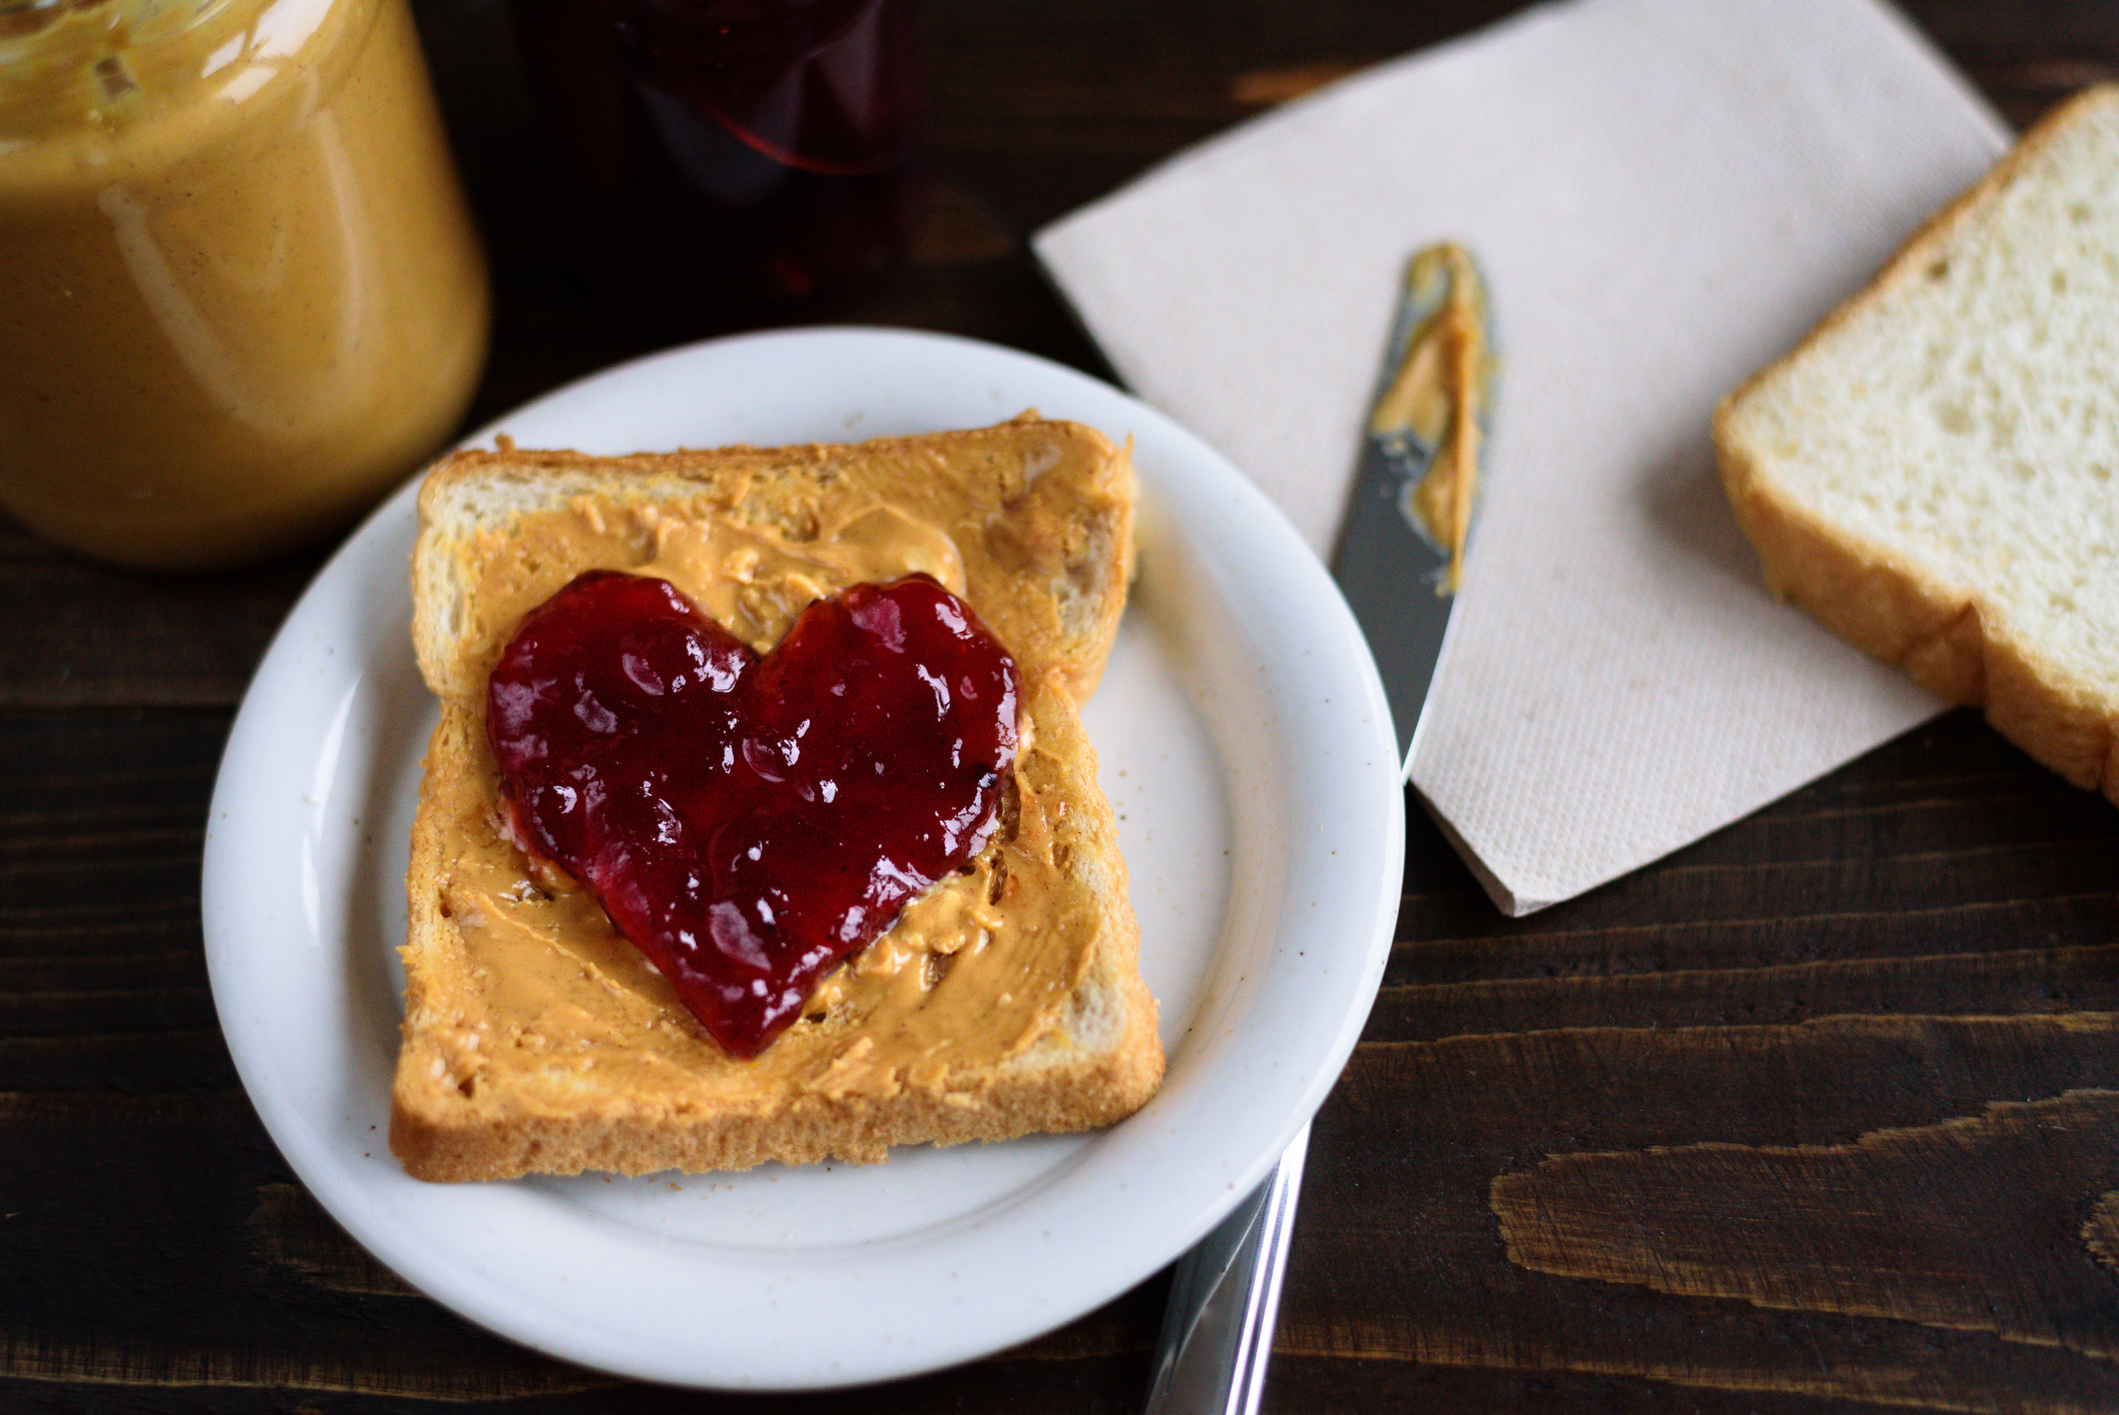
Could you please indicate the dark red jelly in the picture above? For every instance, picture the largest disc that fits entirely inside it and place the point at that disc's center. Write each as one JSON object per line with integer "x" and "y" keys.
{"x": 749, "y": 822}
{"x": 730, "y": 156}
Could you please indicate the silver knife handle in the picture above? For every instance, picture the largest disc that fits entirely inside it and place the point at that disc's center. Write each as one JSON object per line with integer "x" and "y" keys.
{"x": 1217, "y": 1332}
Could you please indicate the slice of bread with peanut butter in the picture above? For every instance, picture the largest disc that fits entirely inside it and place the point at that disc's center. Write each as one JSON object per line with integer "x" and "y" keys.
{"x": 1005, "y": 1000}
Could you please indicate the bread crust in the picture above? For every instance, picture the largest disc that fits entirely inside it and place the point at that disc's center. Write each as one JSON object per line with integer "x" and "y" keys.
{"x": 1097, "y": 1063}
{"x": 1951, "y": 635}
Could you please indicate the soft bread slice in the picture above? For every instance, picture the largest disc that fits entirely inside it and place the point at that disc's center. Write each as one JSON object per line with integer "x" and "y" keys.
{"x": 1934, "y": 471}
{"x": 1007, "y": 1000}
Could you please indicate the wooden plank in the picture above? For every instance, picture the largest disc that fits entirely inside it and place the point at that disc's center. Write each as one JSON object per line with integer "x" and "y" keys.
{"x": 2054, "y": 980}
{"x": 183, "y": 1194}
{"x": 1976, "y": 1223}
{"x": 1677, "y": 1037}
{"x": 87, "y": 635}
{"x": 1948, "y": 840}
{"x": 1451, "y": 1153}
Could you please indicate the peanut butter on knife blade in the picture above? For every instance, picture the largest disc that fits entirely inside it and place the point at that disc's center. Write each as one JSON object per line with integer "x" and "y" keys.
{"x": 1435, "y": 400}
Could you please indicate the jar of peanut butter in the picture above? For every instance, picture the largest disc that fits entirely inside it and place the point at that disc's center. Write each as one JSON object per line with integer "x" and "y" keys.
{"x": 240, "y": 294}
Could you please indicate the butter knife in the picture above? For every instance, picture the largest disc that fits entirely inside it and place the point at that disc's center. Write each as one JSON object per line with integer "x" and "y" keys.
{"x": 1400, "y": 559}
{"x": 1401, "y": 551}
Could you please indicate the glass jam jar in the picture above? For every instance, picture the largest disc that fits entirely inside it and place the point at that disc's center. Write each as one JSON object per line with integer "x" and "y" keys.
{"x": 240, "y": 293}
{"x": 732, "y": 159}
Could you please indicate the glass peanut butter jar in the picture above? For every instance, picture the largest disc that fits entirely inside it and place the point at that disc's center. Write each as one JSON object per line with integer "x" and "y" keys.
{"x": 240, "y": 293}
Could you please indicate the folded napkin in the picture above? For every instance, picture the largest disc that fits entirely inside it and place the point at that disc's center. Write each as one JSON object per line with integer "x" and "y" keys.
{"x": 1663, "y": 196}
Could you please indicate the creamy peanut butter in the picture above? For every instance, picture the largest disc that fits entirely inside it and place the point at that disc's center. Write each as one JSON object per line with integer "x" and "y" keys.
{"x": 242, "y": 296}
{"x": 974, "y": 971}
{"x": 1438, "y": 393}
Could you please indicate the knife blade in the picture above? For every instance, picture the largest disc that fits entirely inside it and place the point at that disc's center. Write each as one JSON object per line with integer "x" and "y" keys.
{"x": 1409, "y": 519}
{"x": 1400, "y": 555}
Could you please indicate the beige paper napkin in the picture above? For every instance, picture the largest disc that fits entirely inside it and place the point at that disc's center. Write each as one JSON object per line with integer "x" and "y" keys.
{"x": 1664, "y": 195}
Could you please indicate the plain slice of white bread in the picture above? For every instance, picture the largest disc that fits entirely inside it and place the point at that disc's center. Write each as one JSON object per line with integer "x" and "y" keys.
{"x": 1934, "y": 471}
{"x": 536, "y": 1040}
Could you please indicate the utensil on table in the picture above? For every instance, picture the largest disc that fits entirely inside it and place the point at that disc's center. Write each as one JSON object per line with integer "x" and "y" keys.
{"x": 1399, "y": 555}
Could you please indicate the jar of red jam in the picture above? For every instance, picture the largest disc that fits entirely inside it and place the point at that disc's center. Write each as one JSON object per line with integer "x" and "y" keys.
{"x": 732, "y": 157}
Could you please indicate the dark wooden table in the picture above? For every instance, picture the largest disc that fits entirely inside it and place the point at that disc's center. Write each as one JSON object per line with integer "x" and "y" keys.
{"x": 1818, "y": 1114}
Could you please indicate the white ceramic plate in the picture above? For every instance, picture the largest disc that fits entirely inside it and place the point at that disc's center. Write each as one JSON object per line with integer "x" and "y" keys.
{"x": 1244, "y": 742}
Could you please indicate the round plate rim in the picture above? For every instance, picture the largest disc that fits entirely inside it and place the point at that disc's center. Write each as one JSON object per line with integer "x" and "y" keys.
{"x": 1367, "y": 801}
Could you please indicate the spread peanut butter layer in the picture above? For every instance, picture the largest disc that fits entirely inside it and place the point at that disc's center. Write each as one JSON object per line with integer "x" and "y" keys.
{"x": 1438, "y": 394}
{"x": 777, "y": 528}
{"x": 977, "y": 969}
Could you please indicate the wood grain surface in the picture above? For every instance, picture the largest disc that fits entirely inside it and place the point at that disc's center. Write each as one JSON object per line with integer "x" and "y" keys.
{"x": 1820, "y": 1115}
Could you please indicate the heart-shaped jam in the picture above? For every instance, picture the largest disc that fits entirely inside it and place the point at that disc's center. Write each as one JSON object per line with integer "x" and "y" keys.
{"x": 749, "y": 822}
